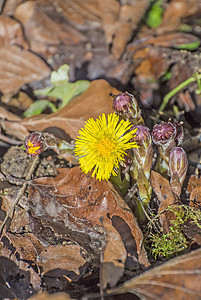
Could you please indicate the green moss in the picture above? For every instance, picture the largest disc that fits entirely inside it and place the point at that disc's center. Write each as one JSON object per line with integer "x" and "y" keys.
{"x": 174, "y": 242}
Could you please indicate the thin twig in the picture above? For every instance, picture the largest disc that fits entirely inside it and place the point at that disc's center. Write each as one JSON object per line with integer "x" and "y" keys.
{"x": 8, "y": 140}
{"x": 21, "y": 192}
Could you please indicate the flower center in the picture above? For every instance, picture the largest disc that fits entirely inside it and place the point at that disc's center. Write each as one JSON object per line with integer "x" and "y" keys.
{"x": 105, "y": 147}
{"x": 31, "y": 148}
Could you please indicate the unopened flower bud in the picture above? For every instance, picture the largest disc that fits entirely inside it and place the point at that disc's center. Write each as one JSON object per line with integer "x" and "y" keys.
{"x": 167, "y": 135}
{"x": 178, "y": 165}
{"x": 163, "y": 133}
{"x": 142, "y": 161}
{"x": 125, "y": 105}
{"x": 142, "y": 136}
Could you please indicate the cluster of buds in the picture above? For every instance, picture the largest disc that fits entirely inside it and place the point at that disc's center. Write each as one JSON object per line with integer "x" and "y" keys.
{"x": 126, "y": 106}
{"x": 37, "y": 142}
{"x": 173, "y": 159}
{"x": 168, "y": 136}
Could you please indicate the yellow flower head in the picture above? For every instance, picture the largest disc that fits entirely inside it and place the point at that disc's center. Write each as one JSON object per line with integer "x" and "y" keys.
{"x": 102, "y": 143}
{"x": 34, "y": 144}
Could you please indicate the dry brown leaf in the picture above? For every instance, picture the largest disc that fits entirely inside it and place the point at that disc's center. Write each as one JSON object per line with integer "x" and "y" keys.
{"x": 161, "y": 187}
{"x": 46, "y": 296}
{"x": 44, "y": 27}
{"x": 73, "y": 205}
{"x": 113, "y": 257}
{"x": 19, "y": 66}
{"x": 167, "y": 40}
{"x": 21, "y": 100}
{"x": 194, "y": 181}
{"x": 11, "y": 32}
{"x": 151, "y": 63}
{"x": 10, "y": 6}
{"x": 177, "y": 279}
{"x": 10, "y": 123}
{"x": 176, "y": 10}
{"x": 185, "y": 100}
{"x": 27, "y": 245}
{"x": 97, "y": 99}
{"x": 19, "y": 251}
{"x": 130, "y": 15}
{"x": 65, "y": 257}
{"x": 194, "y": 188}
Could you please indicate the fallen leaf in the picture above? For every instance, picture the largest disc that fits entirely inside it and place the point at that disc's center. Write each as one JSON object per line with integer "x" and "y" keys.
{"x": 177, "y": 279}
{"x": 44, "y": 27}
{"x": 185, "y": 100}
{"x": 73, "y": 205}
{"x": 11, "y": 32}
{"x": 113, "y": 257}
{"x": 19, "y": 66}
{"x": 177, "y": 10}
{"x": 15, "y": 283}
{"x": 65, "y": 257}
{"x": 21, "y": 100}
{"x": 97, "y": 99}
{"x": 10, "y": 6}
{"x": 194, "y": 188}
{"x": 130, "y": 15}
{"x": 46, "y": 296}
{"x": 161, "y": 187}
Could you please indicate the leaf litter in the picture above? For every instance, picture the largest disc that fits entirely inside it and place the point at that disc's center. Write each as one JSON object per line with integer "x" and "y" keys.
{"x": 69, "y": 229}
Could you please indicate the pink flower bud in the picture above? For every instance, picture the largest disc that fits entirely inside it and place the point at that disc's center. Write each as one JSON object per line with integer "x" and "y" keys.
{"x": 178, "y": 165}
{"x": 122, "y": 102}
{"x": 163, "y": 133}
{"x": 125, "y": 105}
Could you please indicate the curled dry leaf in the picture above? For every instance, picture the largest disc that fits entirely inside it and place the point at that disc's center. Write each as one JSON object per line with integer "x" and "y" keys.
{"x": 44, "y": 27}
{"x": 19, "y": 66}
{"x": 11, "y": 32}
{"x": 10, "y": 6}
{"x": 161, "y": 187}
{"x": 97, "y": 99}
{"x": 113, "y": 257}
{"x": 177, "y": 279}
{"x": 176, "y": 10}
{"x": 151, "y": 63}
{"x": 65, "y": 257}
{"x": 73, "y": 205}
{"x": 46, "y": 296}
{"x": 194, "y": 188}
{"x": 15, "y": 282}
{"x": 130, "y": 15}
{"x": 10, "y": 123}
{"x": 19, "y": 251}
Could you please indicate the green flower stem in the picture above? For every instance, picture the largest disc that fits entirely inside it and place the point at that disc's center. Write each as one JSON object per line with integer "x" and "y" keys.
{"x": 169, "y": 95}
{"x": 140, "y": 211}
{"x": 122, "y": 186}
{"x": 196, "y": 77}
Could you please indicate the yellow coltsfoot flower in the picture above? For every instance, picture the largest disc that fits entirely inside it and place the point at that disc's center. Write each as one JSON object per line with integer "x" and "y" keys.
{"x": 102, "y": 143}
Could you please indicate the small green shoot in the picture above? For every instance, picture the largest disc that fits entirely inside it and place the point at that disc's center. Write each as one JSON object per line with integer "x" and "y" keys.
{"x": 38, "y": 107}
{"x": 189, "y": 47}
{"x": 195, "y": 77}
{"x": 155, "y": 15}
{"x": 61, "y": 88}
